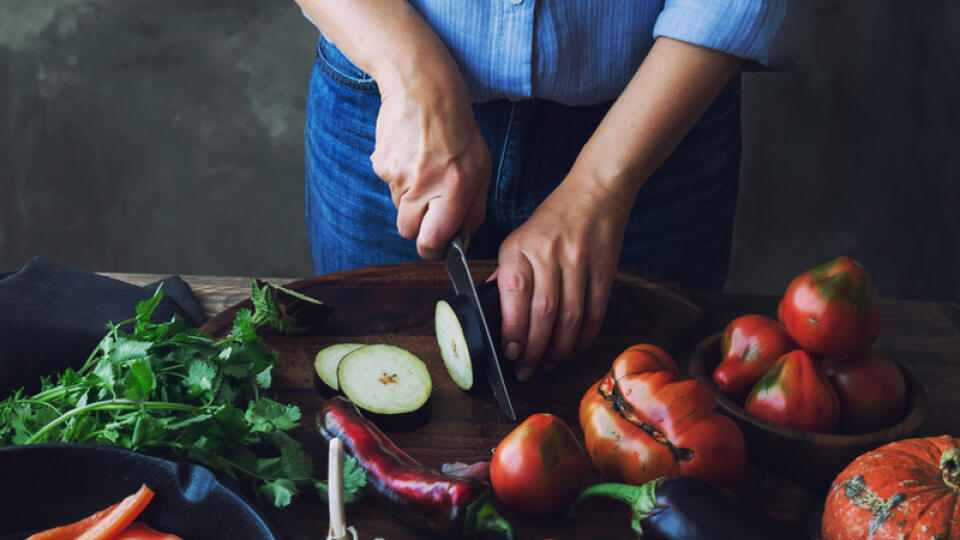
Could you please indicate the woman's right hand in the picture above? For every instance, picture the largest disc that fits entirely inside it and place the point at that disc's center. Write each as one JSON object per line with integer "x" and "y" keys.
{"x": 430, "y": 151}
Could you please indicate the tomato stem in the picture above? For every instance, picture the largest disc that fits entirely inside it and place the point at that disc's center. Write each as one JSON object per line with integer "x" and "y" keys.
{"x": 950, "y": 468}
{"x": 642, "y": 500}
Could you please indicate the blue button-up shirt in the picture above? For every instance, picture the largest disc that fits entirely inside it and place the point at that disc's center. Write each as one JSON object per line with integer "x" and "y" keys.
{"x": 581, "y": 52}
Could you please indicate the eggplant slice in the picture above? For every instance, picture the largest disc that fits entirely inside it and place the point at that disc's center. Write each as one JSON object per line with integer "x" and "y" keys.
{"x": 460, "y": 335}
{"x": 384, "y": 379}
{"x": 329, "y": 358}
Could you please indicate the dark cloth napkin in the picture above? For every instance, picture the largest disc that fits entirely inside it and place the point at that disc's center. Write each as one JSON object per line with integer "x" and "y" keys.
{"x": 53, "y": 315}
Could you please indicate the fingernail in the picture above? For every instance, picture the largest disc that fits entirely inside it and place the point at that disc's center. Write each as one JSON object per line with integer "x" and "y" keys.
{"x": 524, "y": 373}
{"x": 512, "y": 351}
{"x": 549, "y": 367}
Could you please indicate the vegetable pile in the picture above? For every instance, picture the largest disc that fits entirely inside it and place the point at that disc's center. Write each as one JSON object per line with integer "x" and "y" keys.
{"x": 814, "y": 369}
{"x": 165, "y": 388}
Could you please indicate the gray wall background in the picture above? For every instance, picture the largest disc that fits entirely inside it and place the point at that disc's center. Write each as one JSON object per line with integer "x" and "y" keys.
{"x": 166, "y": 136}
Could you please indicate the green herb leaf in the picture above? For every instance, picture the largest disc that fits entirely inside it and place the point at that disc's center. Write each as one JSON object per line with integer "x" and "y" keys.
{"x": 279, "y": 491}
{"x": 139, "y": 381}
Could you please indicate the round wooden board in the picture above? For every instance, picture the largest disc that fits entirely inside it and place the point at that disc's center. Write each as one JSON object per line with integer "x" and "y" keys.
{"x": 395, "y": 304}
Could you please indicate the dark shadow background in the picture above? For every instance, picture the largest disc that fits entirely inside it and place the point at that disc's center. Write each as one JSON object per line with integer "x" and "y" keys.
{"x": 166, "y": 136}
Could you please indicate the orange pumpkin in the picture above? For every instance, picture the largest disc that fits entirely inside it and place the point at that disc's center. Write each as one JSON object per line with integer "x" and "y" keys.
{"x": 907, "y": 489}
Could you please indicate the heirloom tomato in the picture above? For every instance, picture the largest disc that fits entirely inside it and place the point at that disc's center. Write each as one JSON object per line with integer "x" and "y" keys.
{"x": 905, "y": 489}
{"x": 871, "y": 389}
{"x": 749, "y": 345}
{"x": 641, "y": 422}
{"x": 795, "y": 393}
{"x": 537, "y": 469}
{"x": 832, "y": 310}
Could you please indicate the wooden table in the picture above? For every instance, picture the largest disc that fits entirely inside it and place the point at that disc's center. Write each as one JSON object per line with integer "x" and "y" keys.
{"x": 924, "y": 336}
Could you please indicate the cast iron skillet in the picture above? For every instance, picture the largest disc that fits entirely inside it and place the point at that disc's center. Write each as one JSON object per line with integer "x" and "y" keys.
{"x": 46, "y": 485}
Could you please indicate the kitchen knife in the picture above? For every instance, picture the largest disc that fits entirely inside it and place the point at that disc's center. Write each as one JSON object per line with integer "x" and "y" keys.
{"x": 459, "y": 273}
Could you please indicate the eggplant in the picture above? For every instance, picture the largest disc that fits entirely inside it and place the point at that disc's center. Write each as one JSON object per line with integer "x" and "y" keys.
{"x": 460, "y": 333}
{"x": 688, "y": 508}
{"x": 389, "y": 383}
{"x": 423, "y": 498}
{"x": 326, "y": 363}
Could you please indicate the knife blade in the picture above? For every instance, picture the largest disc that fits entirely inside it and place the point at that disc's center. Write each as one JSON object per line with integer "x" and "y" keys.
{"x": 459, "y": 272}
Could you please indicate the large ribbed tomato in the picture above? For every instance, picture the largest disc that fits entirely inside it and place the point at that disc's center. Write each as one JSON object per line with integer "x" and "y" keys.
{"x": 907, "y": 489}
{"x": 641, "y": 422}
{"x": 796, "y": 393}
{"x": 832, "y": 310}
{"x": 871, "y": 389}
{"x": 749, "y": 345}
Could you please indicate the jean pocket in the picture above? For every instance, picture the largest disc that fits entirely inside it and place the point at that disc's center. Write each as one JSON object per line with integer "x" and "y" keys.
{"x": 341, "y": 69}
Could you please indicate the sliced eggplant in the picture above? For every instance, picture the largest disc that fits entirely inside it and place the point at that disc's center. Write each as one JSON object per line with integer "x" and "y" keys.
{"x": 460, "y": 334}
{"x": 326, "y": 364}
{"x": 390, "y": 384}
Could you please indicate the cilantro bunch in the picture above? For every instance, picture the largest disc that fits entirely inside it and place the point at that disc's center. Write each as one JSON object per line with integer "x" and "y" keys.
{"x": 165, "y": 388}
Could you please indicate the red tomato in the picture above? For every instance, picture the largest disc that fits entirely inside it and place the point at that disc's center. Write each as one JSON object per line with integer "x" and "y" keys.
{"x": 795, "y": 393}
{"x": 537, "y": 469}
{"x": 643, "y": 357}
{"x": 141, "y": 531}
{"x": 648, "y": 423}
{"x": 749, "y": 346}
{"x": 832, "y": 310}
{"x": 871, "y": 389}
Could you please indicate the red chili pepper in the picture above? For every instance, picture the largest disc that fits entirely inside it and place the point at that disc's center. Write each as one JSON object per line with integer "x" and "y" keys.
{"x": 417, "y": 495}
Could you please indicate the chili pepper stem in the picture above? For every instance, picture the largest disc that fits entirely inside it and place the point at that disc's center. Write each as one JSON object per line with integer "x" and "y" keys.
{"x": 482, "y": 517}
{"x": 642, "y": 500}
{"x": 950, "y": 468}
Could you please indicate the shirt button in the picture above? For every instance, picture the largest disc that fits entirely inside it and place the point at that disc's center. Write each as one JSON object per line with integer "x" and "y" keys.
{"x": 516, "y": 2}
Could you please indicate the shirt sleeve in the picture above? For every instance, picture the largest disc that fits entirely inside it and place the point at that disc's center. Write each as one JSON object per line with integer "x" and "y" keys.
{"x": 764, "y": 31}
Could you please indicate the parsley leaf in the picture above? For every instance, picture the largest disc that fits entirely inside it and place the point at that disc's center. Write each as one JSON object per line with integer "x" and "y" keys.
{"x": 164, "y": 388}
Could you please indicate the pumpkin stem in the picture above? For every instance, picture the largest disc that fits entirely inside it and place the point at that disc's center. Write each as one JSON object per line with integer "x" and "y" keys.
{"x": 641, "y": 499}
{"x": 950, "y": 468}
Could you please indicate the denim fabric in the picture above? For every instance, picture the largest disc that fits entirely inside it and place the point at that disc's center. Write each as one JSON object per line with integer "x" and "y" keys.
{"x": 680, "y": 228}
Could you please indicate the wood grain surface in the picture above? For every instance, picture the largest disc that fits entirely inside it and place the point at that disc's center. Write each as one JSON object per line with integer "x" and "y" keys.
{"x": 395, "y": 303}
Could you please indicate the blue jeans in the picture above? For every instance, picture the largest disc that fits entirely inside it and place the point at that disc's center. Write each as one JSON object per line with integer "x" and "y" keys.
{"x": 680, "y": 229}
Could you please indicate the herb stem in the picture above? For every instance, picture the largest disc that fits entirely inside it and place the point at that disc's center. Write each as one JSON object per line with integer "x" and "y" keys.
{"x": 112, "y": 404}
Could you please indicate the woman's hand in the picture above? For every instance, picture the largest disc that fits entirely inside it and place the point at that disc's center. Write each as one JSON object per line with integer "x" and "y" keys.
{"x": 556, "y": 270}
{"x": 430, "y": 151}
{"x": 429, "y": 148}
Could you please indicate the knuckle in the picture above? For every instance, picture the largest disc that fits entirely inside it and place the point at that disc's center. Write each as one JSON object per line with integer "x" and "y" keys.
{"x": 513, "y": 282}
{"x": 544, "y": 306}
{"x": 571, "y": 317}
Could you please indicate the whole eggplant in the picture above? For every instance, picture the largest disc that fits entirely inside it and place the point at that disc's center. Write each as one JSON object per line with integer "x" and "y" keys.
{"x": 689, "y": 508}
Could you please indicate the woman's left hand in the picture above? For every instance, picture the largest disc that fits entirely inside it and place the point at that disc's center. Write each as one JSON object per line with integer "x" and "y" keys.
{"x": 556, "y": 270}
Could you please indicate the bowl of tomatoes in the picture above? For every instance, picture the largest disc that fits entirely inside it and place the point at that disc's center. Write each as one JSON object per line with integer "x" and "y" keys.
{"x": 809, "y": 390}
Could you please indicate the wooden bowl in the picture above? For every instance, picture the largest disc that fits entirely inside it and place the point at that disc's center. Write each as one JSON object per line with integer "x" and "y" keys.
{"x": 812, "y": 459}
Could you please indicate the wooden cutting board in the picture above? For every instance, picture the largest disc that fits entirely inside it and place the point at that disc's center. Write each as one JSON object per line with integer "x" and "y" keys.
{"x": 395, "y": 304}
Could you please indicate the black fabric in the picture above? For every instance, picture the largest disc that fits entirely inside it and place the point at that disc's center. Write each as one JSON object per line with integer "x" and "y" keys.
{"x": 53, "y": 315}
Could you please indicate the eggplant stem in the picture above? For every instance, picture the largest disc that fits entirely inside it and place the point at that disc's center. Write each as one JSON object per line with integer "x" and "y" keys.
{"x": 482, "y": 517}
{"x": 950, "y": 468}
{"x": 642, "y": 500}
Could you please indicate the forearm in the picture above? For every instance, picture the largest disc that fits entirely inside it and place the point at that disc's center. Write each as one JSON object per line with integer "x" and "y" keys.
{"x": 669, "y": 92}
{"x": 386, "y": 38}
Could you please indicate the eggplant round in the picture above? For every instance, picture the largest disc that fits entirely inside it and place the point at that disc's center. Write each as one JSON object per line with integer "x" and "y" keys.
{"x": 460, "y": 333}
{"x": 327, "y": 361}
{"x": 384, "y": 379}
{"x": 690, "y": 508}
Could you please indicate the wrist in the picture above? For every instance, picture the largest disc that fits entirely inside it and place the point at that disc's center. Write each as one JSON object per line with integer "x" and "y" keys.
{"x": 611, "y": 187}
{"x": 420, "y": 66}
